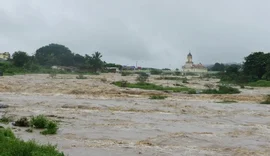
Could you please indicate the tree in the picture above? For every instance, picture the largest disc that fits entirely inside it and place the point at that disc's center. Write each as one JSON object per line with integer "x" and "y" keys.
{"x": 255, "y": 65}
{"x": 54, "y": 54}
{"x": 233, "y": 69}
{"x": 142, "y": 77}
{"x": 94, "y": 62}
{"x": 20, "y": 58}
{"x": 266, "y": 75}
{"x": 31, "y": 65}
{"x": 218, "y": 67}
{"x": 78, "y": 60}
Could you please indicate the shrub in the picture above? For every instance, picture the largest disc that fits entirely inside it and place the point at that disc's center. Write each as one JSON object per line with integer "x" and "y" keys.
{"x": 12, "y": 146}
{"x": 169, "y": 78}
{"x": 122, "y": 83}
{"x": 151, "y": 86}
{"x": 222, "y": 90}
{"x": 156, "y": 72}
{"x": 142, "y": 77}
{"x": 192, "y": 91}
{"x": 5, "y": 119}
{"x": 81, "y": 76}
{"x": 22, "y": 122}
{"x": 242, "y": 86}
{"x": 228, "y": 90}
{"x": 51, "y": 128}
{"x": 125, "y": 73}
{"x": 158, "y": 97}
{"x": 39, "y": 121}
{"x": 177, "y": 73}
{"x": 185, "y": 80}
{"x": 267, "y": 100}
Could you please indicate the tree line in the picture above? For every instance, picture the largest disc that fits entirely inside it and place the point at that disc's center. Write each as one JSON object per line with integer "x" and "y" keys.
{"x": 256, "y": 66}
{"x": 58, "y": 55}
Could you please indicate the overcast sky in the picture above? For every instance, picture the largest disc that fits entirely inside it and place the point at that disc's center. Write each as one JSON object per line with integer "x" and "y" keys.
{"x": 156, "y": 33}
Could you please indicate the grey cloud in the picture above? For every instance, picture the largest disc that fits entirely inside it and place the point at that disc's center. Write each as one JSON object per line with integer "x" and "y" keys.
{"x": 154, "y": 32}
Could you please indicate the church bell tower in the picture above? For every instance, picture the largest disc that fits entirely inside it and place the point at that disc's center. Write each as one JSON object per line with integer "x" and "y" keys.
{"x": 189, "y": 58}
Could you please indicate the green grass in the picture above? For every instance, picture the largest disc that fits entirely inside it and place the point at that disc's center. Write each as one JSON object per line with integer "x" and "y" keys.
{"x": 12, "y": 146}
{"x": 51, "y": 128}
{"x": 39, "y": 122}
{"x": 222, "y": 90}
{"x": 227, "y": 101}
{"x": 126, "y": 73}
{"x": 151, "y": 86}
{"x": 158, "y": 97}
{"x": 5, "y": 120}
{"x": 260, "y": 83}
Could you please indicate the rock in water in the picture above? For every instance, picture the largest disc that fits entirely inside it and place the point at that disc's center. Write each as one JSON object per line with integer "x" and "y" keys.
{"x": 3, "y": 106}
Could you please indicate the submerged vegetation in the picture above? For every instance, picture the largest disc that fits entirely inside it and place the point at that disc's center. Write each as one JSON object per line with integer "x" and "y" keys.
{"x": 151, "y": 86}
{"x": 38, "y": 122}
{"x": 227, "y": 101}
{"x": 5, "y": 120}
{"x": 158, "y": 97}
{"x": 222, "y": 90}
{"x": 267, "y": 100}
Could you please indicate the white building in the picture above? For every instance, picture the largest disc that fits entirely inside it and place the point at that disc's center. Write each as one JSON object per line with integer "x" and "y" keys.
{"x": 5, "y": 56}
{"x": 190, "y": 67}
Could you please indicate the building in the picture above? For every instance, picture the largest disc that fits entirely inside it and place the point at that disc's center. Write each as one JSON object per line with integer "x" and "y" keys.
{"x": 64, "y": 68}
{"x": 128, "y": 67}
{"x": 5, "y": 56}
{"x": 113, "y": 69}
{"x": 190, "y": 67}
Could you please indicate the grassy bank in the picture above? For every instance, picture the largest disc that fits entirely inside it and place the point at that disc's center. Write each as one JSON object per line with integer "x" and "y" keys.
{"x": 260, "y": 83}
{"x": 12, "y": 146}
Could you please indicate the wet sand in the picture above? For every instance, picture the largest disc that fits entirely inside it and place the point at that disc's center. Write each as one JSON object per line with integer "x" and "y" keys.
{"x": 103, "y": 119}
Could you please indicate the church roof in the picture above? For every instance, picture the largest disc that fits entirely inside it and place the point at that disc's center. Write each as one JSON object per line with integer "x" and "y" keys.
{"x": 189, "y": 54}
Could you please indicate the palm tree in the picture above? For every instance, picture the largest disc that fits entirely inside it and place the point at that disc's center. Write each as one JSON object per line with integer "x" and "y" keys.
{"x": 97, "y": 55}
{"x": 95, "y": 61}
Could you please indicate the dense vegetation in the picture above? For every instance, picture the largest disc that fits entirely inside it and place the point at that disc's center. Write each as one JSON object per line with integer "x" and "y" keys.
{"x": 12, "y": 146}
{"x": 254, "y": 71}
{"x": 52, "y": 55}
{"x": 38, "y": 122}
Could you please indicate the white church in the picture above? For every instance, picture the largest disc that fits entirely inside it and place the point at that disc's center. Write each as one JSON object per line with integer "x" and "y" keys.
{"x": 190, "y": 67}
